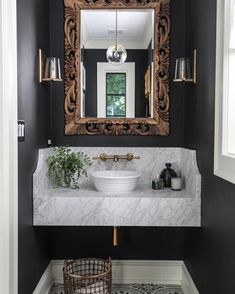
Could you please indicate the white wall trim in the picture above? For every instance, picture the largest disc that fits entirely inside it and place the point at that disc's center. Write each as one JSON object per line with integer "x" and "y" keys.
{"x": 92, "y": 43}
{"x": 224, "y": 164}
{"x": 187, "y": 283}
{"x": 136, "y": 271}
{"x": 131, "y": 271}
{"x": 149, "y": 32}
{"x": 8, "y": 149}
{"x": 46, "y": 281}
{"x": 105, "y": 67}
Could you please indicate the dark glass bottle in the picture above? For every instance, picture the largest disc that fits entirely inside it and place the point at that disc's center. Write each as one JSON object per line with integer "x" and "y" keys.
{"x": 167, "y": 174}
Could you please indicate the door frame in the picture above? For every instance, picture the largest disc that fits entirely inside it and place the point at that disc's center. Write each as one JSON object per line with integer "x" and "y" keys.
{"x": 8, "y": 148}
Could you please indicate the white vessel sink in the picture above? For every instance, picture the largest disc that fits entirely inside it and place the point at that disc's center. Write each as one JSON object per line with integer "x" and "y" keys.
{"x": 115, "y": 181}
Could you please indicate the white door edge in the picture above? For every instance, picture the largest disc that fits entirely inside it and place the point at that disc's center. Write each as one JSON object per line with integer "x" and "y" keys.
{"x": 8, "y": 149}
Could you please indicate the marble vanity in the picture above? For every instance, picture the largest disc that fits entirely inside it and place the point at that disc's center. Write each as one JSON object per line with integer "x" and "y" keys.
{"x": 143, "y": 207}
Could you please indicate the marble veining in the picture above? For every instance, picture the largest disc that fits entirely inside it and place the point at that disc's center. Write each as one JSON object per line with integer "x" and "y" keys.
{"x": 143, "y": 207}
{"x": 116, "y": 211}
{"x": 151, "y": 163}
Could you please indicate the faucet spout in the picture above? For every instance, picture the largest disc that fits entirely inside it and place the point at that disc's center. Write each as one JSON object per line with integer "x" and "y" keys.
{"x": 115, "y": 236}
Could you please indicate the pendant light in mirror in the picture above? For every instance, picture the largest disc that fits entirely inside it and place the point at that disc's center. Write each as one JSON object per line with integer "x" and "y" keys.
{"x": 116, "y": 54}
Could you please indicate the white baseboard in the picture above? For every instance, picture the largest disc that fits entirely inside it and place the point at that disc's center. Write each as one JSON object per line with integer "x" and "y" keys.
{"x": 146, "y": 271}
{"x": 46, "y": 281}
{"x": 136, "y": 271}
{"x": 130, "y": 271}
{"x": 187, "y": 283}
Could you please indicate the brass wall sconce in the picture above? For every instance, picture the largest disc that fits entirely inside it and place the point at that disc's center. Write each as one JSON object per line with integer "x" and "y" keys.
{"x": 49, "y": 68}
{"x": 183, "y": 71}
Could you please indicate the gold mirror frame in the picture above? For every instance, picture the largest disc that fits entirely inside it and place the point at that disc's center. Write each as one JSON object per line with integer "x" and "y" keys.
{"x": 159, "y": 124}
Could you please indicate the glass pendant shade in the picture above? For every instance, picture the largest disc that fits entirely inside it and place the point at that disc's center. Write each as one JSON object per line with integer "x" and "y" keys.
{"x": 116, "y": 54}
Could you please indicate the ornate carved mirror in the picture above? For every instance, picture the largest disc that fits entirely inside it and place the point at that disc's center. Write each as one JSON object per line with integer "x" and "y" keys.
{"x": 131, "y": 98}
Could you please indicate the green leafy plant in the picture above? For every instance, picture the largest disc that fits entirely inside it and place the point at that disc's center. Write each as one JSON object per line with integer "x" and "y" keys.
{"x": 65, "y": 167}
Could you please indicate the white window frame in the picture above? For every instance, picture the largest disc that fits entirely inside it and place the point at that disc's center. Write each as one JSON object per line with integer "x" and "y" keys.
{"x": 224, "y": 163}
{"x": 102, "y": 69}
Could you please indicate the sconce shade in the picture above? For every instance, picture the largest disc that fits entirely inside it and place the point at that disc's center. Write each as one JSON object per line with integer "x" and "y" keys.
{"x": 182, "y": 70}
{"x": 49, "y": 68}
{"x": 52, "y": 69}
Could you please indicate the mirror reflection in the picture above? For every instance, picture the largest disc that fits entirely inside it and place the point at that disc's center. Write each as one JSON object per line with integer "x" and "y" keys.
{"x": 117, "y": 63}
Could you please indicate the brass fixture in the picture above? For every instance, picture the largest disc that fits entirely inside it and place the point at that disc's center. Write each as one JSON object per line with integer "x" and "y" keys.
{"x": 115, "y": 158}
{"x": 183, "y": 70}
{"x": 49, "y": 68}
{"x": 115, "y": 236}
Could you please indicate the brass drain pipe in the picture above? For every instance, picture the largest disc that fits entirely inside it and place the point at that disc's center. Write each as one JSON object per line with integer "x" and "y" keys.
{"x": 115, "y": 236}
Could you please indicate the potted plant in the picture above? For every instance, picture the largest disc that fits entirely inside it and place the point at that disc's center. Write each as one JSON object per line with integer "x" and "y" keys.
{"x": 65, "y": 167}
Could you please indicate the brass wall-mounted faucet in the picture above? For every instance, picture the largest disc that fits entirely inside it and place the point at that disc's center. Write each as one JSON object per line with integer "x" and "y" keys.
{"x": 115, "y": 158}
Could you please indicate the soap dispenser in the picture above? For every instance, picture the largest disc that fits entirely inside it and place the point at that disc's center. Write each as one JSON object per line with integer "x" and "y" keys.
{"x": 167, "y": 174}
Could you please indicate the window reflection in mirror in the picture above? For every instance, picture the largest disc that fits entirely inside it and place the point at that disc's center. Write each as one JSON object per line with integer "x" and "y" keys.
{"x": 123, "y": 90}
{"x": 116, "y": 94}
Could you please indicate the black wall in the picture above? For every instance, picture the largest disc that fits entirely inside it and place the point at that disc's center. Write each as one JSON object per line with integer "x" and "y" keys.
{"x": 209, "y": 253}
{"x": 90, "y": 59}
{"x": 176, "y": 137}
{"x": 34, "y": 108}
{"x": 138, "y": 243}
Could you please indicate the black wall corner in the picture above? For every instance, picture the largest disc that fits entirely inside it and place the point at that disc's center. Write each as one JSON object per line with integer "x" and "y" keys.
{"x": 209, "y": 252}
{"x": 34, "y": 108}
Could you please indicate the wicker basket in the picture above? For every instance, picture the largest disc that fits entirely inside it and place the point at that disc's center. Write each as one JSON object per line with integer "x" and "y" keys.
{"x": 88, "y": 276}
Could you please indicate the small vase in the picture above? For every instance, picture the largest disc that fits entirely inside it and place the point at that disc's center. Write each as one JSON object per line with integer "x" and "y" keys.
{"x": 167, "y": 174}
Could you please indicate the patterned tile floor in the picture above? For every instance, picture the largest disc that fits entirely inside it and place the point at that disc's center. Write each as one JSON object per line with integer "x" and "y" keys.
{"x": 133, "y": 289}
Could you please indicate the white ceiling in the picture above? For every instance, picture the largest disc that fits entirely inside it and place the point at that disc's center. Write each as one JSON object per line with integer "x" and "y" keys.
{"x": 134, "y": 27}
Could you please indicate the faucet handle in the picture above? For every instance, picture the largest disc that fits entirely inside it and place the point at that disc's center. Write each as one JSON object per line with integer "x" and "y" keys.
{"x": 103, "y": 156}
{"x": 130, "y": 156}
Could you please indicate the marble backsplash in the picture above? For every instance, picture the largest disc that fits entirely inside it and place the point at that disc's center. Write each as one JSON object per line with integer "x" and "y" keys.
{"x": 151, "y": 163}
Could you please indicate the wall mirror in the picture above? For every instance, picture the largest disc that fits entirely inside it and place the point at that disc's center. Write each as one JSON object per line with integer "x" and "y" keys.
{"x": 106, "y": 97}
